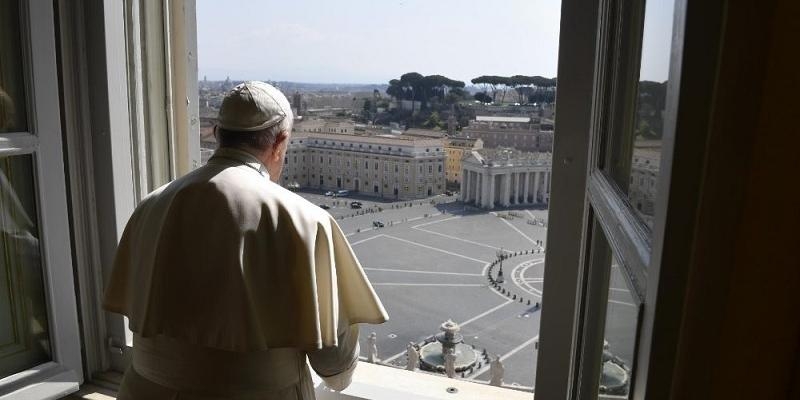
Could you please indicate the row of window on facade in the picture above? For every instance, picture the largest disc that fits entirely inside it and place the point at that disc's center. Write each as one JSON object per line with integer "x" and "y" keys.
{"x": 361, "y": 146}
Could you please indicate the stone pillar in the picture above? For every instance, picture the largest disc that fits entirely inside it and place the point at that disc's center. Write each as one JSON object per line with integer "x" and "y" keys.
{"x": 474, "y": 187}
{"x": 546, "y": 189}
{"x": 478, "y": 188}
{"x": 473, "y": 183}
{"x": 490, "y": 190}
{"x": 465, "y": 185}
{"x": 501, "y": 197}
{"x": 536, "y": 187}
{"x": 506, "y": 189}
{"x": 514, "y": 188}
{"x": 526, "y": 188}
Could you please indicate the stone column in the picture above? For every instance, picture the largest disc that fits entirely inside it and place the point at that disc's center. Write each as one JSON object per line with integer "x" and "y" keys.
{"x": 507, "y": 191}
{"x": 516, "y": 189}
{"x": 526, "y": 187}
{"x": 501, "y": 197}
{"x": 546, "y": 189}
{"x": 536, "y": 187}
{"x": 478, "y": 188}
{"x": 465, "y": 185}
{"x": 489, "y": 190}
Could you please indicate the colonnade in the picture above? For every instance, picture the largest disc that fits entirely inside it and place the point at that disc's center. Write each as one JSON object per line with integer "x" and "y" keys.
{"x": 487, "y": 188}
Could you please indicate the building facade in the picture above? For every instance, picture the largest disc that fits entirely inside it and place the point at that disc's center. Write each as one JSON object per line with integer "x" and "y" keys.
{"x": 385, "y": 166}
{"x": 456, "y": 147}
{"x": 644, "y": 176}
{"x": 521, "y": 133}
{"x": 504, "y": 177}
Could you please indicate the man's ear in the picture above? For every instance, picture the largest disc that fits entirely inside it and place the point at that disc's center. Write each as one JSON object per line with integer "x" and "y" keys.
{"x": 279, "y": 140}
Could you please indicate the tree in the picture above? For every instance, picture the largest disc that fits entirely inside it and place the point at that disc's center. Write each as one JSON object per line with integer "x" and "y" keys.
{"x": 504, "y": 82}
{"x": 455, "y": 95}
{"x": 481, "y": 80}
{"x": 518, "y": 82}
{"x": 483, "y": 97}
{"x": 412, "y": 82}
{"x": 489, "y": 80}
{"x": 433, "y": 121}
{"x": 395, "y": 89}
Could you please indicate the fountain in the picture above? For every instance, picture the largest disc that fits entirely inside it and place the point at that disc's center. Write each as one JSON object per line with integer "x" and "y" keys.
{"x": 615, "y": 378}
{"x": 432, "y": 354}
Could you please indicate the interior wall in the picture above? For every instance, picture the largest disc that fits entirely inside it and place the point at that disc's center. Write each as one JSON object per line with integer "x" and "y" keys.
{"x": 740, "y": 336}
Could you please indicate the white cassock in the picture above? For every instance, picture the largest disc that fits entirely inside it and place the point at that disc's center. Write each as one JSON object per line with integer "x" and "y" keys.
{"x": 229, "y": 281}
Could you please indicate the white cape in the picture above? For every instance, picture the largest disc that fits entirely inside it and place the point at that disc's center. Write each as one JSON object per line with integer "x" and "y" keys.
{"x": 224, "y": 258}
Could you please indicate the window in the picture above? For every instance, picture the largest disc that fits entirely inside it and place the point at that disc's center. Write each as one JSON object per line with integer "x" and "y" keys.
{"x": 614, "y": 309}
{"x": 632, "y": 86}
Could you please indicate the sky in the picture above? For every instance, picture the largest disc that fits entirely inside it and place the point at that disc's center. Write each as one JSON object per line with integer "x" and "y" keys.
{"x": 373, "y": 41}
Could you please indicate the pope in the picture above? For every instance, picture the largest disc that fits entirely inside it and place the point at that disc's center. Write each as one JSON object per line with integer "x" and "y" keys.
{"x": 233, "y": 285}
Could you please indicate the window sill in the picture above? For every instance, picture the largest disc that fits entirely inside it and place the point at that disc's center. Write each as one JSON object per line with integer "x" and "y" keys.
{"x": 377, "y": 382}
{"x": 47, "y": 381}
{"x": 374, "y": 382}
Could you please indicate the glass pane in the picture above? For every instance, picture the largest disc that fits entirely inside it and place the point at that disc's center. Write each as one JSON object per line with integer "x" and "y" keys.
{"x": 621, "y": 328}
{"x": 24, "y": 332}
{"x": 637, "y": 153}
{"x": 12, "y": 90}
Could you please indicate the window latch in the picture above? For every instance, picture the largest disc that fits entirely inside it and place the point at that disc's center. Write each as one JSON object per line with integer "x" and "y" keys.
{"x": 113, "y": 347}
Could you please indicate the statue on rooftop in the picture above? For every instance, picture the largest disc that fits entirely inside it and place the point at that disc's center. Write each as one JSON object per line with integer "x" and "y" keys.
{"x": 450, "y": 363}
{"x": 413, "y": 357}
{"x": 496, "y": 370}
{"x": 372, "y": 348}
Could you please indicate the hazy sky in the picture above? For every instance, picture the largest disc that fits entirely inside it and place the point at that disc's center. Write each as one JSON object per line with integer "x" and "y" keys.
{"x": 372, "y": 41}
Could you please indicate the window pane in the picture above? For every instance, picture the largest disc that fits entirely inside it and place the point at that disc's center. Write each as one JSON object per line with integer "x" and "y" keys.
{"x": 12, "y": 90}
{"x": 636, "y": 155}
{"x": 24, "y": 334}
{"x": 621, "y": 328}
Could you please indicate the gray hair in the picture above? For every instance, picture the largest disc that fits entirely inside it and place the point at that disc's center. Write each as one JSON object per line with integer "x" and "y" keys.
{"x": 259, "y": 140}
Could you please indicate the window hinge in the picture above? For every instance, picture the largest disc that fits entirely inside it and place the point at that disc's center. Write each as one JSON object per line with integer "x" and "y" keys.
{"x": 114, "y": 347}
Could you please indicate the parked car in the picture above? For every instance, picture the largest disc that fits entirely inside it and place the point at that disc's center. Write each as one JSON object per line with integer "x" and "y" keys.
{"x": 329, "y": 193}
{"x": 448, "y": 193}
{"x": 377, "y": 224}
{"x": 355, "y": 205}
{"x": 324, "y": 206}
{"x": 340, "y": 193}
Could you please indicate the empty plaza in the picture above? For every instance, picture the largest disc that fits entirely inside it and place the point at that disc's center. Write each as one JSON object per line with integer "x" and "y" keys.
{"x": 429, "y": 263}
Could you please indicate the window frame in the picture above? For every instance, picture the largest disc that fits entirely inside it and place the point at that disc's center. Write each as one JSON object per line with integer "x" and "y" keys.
{"x": 122, "y": 65}
{"x": 42, "y": 140}
{"x": 575, "y": 287}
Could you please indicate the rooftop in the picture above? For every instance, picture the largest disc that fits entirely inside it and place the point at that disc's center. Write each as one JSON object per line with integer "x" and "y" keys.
{"x": 486, "y": 118}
